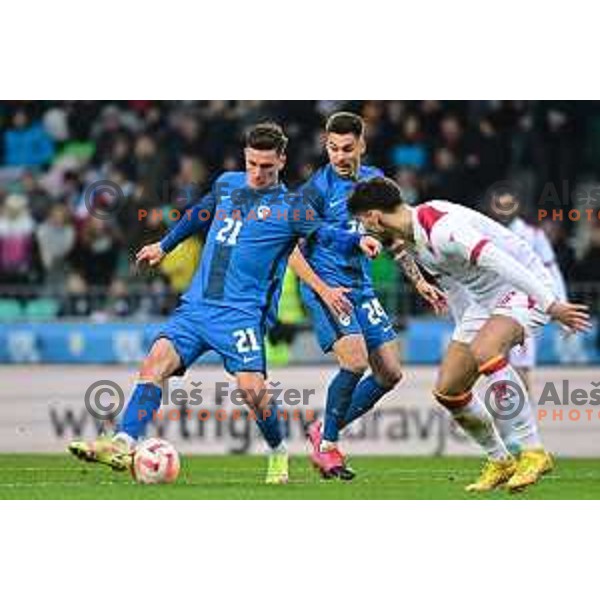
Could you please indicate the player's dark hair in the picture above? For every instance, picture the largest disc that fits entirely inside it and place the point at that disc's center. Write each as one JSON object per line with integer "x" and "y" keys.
{"x": 379, "y": 193}
{"x": 266, "y": 136}
{"x": 345, "y": 122}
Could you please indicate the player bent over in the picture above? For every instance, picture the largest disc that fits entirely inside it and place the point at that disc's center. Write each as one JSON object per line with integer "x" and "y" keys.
{"x": 498, "y": 291}
{"x": 250, "y": 232}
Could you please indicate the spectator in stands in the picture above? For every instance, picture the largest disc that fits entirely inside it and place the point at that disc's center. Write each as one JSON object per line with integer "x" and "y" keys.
{"x": 106, "y": 131}
{"x": 488, "y": 156}
{"x": 77, "y": 301}
{"x": 448, "y": 179}
{"x": 39, "y": 201}
{"x": 17, "y": 261}
{"x": 150, "y": 170}
{"x": 56, "y": 238}
{"x": 452, "y": 138}
{"x": 121, "y": 158}
{"x": 431, "y": 112}
{"x": 411, "y": 185}
{"x": 120, "y": 300}
{"x": 27, "y": 144}
{"x": 187, "y": 139}
{"x": 411, "y": 150}
{"x": 97, "y": 252}
{"x": 587, "y": 270}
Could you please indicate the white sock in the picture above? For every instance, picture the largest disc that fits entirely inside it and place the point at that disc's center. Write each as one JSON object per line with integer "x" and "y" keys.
{"x": 122, "y": 436}
{"x": 478, "y": 424}
{"x": 327, "y": 446}
{"x": 510, "y": 406}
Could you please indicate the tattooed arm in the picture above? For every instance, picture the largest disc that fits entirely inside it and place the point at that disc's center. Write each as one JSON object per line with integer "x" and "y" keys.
{"x": 433, "y": 295}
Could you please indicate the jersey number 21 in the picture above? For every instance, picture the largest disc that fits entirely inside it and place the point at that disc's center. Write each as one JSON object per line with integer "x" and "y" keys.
{"x": 228, "y": 234}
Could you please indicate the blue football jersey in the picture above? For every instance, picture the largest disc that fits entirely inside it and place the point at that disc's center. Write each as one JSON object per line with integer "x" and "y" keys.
{"x": 250, "y": 235}
{"x": 328, "y": 193}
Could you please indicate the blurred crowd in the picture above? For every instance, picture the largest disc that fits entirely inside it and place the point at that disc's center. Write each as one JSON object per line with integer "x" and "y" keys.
{"x": 50, "y": 151}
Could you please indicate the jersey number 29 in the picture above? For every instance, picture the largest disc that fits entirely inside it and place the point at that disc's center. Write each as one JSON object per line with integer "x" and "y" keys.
{"x": 374, "y": 310}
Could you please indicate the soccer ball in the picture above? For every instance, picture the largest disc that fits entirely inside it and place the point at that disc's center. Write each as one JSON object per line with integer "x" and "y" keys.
{"x": 155, "y": 461}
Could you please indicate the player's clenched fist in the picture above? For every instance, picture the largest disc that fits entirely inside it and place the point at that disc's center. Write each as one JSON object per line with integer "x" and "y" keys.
{"x": 152, "y": 254}
{"x": 370, "y": 246}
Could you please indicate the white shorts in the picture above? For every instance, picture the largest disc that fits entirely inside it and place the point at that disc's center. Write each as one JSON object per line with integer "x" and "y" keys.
{"x": 472, "y": 316}
{"x": 525, "y": 355}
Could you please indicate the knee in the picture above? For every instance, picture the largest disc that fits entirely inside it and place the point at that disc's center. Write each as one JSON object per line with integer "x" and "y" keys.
{"x": 159, "y": 364}
{"x": 486, "y": 358}
{"x": 481, "y": 353}
{"x": 390, "y": 377}
{"x": 153, "y": 370}
{"x": 254, "y": 394}
{"x": 357, "y": 364}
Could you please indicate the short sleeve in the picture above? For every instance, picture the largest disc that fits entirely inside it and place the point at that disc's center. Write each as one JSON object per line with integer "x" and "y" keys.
{"x": 312, "y": 196}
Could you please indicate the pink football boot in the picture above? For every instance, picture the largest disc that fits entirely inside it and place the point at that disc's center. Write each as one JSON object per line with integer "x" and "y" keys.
{"x": 330, "y": 464}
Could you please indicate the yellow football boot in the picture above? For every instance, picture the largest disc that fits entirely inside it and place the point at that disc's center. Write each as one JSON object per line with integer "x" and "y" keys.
{"x": 531, "y": 465}
{"x": 493, "y": 474}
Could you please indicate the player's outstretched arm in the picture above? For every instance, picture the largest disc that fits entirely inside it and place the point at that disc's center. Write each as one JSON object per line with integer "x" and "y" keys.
{"x": 347, "y": 242}
{"x": 334, "y": 297}
{"x": 430, "y": 293}
{"x": 342, "y": 241}
{"x": 573, "y": 316}
{"x": 194, "y": 220}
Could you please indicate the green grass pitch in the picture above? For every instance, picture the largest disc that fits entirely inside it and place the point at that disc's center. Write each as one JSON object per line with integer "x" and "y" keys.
{"x": 30, "y": 476}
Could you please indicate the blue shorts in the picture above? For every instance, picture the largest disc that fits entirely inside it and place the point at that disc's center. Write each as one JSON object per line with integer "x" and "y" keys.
{"x": 368, "y": 319}
{"x": 236, "y": 335}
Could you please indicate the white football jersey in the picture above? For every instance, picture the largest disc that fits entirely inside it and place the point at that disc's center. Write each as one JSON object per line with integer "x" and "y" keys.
{"x": 449, "y": 239}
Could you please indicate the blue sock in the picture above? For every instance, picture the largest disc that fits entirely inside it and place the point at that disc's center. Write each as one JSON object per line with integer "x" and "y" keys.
{"x": 145, "y": 397}
{"x": 339, "y": 396}
{"x": 269, "y": 426}
{"x": 364, "y": 398}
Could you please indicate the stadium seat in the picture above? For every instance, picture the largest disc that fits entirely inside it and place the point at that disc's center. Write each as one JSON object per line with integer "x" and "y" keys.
{"x": 10, "y": 310}
{"x": 41, "y": 309}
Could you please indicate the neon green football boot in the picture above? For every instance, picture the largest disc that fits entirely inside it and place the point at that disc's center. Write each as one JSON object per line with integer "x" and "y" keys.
{"x": 106, "y": 450}
{"x": 278, "y": 468}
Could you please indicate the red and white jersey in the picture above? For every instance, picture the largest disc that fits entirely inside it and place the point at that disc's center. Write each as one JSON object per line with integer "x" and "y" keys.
{"x": 541, "y": 245}
{"x": 449, "y": 240}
